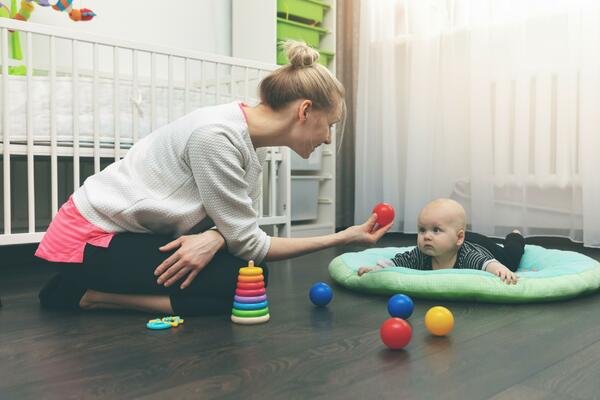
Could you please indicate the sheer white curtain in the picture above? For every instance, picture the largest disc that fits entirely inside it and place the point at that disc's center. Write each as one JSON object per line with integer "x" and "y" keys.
{"x": 495, "y": 103}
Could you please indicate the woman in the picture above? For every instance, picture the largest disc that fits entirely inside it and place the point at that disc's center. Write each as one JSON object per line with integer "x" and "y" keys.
{"x": 113, "y": 239}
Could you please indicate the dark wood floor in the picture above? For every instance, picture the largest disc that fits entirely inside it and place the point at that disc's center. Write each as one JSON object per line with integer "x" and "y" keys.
{"x": 543, "y": 351}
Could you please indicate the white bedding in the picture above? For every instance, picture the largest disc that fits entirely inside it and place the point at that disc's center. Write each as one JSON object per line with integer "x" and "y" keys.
{"x": 17, "y": 106}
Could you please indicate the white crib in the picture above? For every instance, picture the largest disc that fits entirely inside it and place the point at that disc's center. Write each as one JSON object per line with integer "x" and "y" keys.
{"x": 85, "y": 100}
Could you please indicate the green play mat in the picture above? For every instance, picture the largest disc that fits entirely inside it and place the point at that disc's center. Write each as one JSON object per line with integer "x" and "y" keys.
{"x": 544, "y": 275}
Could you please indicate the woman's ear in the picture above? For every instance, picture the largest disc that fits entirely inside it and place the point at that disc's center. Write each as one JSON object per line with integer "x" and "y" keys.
{"x": 304, "y": 110}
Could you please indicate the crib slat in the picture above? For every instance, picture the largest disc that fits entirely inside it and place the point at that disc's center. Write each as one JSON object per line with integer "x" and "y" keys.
{"x": 246, "y": 91}
{"x": 6, "y": 133}
{"x": 543, "y": 115}
{"x": 170, "y": 89}
{"x": 202, "y": 84}
{"x": 30, "y": 163}
{"x": 231, "y": 83}
{"x": 218, "y": 83}
{"x": 95, "y": 95}
{"x": 135, "y": 93}
{"x": 53, "y": 155}
{"x": 272, "y": 184}
{"x": 75, "y": 77}
{"x": 152, "y": 91}
{"x": 186, "y": 99}
{"x": 116, "y": 97}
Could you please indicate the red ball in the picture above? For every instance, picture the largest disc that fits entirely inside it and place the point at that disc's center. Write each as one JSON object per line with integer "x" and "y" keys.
{"x": 385, "y": 213}
{"x": 395, "y": 333}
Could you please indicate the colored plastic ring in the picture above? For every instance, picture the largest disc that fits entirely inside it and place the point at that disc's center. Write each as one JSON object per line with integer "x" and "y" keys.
{"x": 254, "y": 292}
{"x": 157, "y": 324}
{"x": 250, "y": 313}
{"x": 250, "y": 321}
{"x": 251, "y": 271}
{"x": 254, "y": 278}
{"x": 250, "y": 285}
{"x": 253, "y": 299}
{"x": 250, "y": 306}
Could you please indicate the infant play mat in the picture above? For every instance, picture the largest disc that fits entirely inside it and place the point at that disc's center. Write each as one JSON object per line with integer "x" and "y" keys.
{"x": 544, "y": 275}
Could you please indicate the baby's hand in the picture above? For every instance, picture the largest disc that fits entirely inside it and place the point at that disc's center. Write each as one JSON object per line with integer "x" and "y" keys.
{"x": 505, "y": 274}
{"x": 364, "y": 270}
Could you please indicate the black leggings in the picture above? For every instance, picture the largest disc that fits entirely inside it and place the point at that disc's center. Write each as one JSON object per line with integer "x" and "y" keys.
{"x": 509, "y": 255}
{"x": 127, "y": 267}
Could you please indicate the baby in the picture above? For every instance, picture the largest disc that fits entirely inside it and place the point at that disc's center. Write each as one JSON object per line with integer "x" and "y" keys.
{"x": 442, "y": 242}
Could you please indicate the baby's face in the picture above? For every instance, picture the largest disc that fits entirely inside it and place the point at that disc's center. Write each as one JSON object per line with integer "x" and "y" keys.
{"x": 437, "y": 232}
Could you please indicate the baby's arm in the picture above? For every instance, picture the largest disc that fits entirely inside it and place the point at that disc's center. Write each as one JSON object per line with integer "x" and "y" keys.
{"x": 409, "y": 259}
{"x": 499, "y": 269}
{"x": 383, "y": 263}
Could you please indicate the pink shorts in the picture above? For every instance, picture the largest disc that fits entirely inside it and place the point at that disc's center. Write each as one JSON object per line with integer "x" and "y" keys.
{"x": 68, "y": 234}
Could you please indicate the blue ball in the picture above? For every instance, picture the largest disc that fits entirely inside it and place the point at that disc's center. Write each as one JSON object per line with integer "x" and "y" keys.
{"x": 400, "y": 306}
{"x": 320, "y": 294}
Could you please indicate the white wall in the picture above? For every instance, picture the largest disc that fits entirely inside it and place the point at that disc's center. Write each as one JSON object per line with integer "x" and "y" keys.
{"x": 202, "y": 25}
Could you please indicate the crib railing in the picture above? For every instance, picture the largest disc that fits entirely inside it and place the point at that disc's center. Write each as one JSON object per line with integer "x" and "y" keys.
{"x": 147, "y": 86}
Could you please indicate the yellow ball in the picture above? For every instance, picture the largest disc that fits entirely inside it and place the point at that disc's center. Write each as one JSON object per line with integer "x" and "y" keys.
{"x": 439, "y": 321}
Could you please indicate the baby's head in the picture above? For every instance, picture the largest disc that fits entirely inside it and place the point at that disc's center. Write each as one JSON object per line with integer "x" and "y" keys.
{"x": 441, "y": 227}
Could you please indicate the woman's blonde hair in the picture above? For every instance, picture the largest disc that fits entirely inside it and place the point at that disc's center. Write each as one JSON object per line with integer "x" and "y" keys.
{"x": 303, "y": 78}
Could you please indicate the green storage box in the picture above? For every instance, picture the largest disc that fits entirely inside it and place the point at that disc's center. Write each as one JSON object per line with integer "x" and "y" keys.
{"x": 324, "y": 59}
{"x": 311, "y": 35}
{"x": 310, "y": 10}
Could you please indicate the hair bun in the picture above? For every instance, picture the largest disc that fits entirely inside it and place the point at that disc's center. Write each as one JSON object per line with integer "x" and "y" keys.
{"x": 300, "y": 54}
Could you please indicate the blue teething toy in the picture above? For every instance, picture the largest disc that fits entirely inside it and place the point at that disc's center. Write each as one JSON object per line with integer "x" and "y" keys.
{"x": 164, "y": 323}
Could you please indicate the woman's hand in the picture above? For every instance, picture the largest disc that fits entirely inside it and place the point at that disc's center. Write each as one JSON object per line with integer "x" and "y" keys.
{"x": 366, "y": 232}
{"x": 192, "y": 255}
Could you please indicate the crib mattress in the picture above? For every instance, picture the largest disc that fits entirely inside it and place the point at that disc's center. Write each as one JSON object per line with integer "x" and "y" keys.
{"x": 128, "y": 101}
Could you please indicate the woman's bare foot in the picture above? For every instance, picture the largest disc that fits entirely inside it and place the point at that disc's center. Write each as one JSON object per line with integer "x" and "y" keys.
{"x": 92, "y": 299}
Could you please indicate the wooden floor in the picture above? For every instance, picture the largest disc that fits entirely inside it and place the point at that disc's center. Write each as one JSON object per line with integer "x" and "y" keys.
{"x": 543, "y": 351}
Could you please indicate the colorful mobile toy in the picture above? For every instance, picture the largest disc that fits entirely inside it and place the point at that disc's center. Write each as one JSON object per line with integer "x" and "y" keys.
{"x": 250, "y": 304}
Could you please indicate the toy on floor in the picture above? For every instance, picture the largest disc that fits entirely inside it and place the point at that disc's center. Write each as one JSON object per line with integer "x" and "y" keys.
{"x": 439, "y": 321}
{"x": 320, "y": 294}
{"x": 385, "y": 213}
{"x": 164, "y": 323}
{"x": 250, "y": 304}
{"x": 400, "y": 306}
{"x": 395, "y": 333}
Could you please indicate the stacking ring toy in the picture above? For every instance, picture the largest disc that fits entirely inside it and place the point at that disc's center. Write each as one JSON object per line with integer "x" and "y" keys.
{"x": 249, "y": 293}
{"x": 250, "y": 306}
{"x": 251, "y": 278}
{"x": 250, "y": 313}
{"x": 250, "y": 285}
{"x": 256, "y": 299}
{"x": 251, "y": 271}
{"x": 251, "y": 320}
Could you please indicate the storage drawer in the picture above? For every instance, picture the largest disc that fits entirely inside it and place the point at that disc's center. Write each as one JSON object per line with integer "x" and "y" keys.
{"x": 312, "y": 163}
{"x": 310, "y": 10}
{"x": 311, "y": 35}
{"x": 305, "y": 198}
